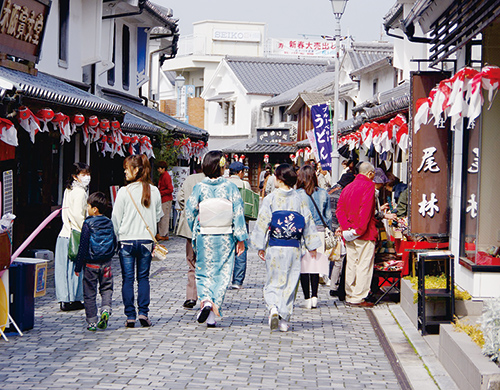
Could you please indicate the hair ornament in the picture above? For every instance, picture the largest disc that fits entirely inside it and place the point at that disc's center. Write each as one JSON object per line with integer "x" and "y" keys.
{"x": 222, "y": 162}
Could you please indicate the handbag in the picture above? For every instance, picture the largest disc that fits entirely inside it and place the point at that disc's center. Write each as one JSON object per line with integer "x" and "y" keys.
{"x": 330, "y": 240}
{"x": 74, "y": 244}
{"x": 159, "y": 251}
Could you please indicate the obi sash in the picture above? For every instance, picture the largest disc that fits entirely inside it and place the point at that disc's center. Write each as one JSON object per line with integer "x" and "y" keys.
{"x": 286, "y": 228}
{"x": 216, "y": 216}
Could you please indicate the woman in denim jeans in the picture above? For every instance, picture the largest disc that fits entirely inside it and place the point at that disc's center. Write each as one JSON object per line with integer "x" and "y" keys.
{"x": 135, "y": 242}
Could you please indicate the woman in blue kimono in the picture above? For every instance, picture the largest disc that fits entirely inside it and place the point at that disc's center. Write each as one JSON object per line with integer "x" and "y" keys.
{"x": 215, "y": 214}
{"x": 286, "y": 217}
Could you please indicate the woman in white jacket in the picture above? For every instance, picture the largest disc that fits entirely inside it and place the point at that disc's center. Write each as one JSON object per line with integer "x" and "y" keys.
{"x": 135, "y": 242}
{"x": 69, "y": 289}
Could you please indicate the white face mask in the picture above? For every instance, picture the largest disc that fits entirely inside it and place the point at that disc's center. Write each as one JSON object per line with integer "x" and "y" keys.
{"x": 85, "y": 180}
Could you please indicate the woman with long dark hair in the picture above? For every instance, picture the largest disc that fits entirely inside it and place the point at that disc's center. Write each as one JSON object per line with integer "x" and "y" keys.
{"x": 283, "y": 227}
{"x": 69, "y": 288}
{"x": 318, "y": 201}
{"x": 215, "y": 214}
{"x": 139, "y": 197}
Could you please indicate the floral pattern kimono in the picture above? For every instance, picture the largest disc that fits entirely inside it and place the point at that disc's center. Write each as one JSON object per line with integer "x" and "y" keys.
{"x": 283, "y": 227}
{"x": 215, "y": 214}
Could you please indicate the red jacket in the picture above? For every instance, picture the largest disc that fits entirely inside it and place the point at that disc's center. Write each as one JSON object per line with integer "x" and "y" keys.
{"x": 166, "y": 187}
{"x": 356, "y": 208}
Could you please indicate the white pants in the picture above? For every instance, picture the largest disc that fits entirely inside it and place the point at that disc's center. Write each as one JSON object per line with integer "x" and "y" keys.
{"x": 359, "y": 269}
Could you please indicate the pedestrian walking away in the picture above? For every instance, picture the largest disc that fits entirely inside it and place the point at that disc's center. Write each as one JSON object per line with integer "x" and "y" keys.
{"x": 318, "y": 202}
{"x": 183, "y": 230}
{"x": 97, "y": 247}
{"x": 166, "y": 189}
{"x": 237, "y": 173}
{"x": 140, "y": 197}
{"x": 215, "y": 214}
{"x": 283, "y": 226}
{"x": 69, "y": 288}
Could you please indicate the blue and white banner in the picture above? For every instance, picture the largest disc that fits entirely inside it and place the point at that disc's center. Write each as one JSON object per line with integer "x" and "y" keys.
{"x": 320, "y": 115}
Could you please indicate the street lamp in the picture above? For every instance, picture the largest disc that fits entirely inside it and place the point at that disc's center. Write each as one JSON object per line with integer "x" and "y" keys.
{"x": 179, "y": 84}
{"x": 338, "y": 7}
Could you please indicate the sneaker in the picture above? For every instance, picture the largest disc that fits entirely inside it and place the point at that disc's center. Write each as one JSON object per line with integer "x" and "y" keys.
{"x": 103, "y": 323}
{"x": 236, "y": 286}
{"x": 211, "y": 320}
{"x": 273, "y": 318}
{"x": 204, "y": 313}
{"x": 92, "y": 327}
{"x": 307, "y": 303}
{"x": 328, "y": 282}
{"x": 314, "y": 302}
{"x": 283, "y": 325}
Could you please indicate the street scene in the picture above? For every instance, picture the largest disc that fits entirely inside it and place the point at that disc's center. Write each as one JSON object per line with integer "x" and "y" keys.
{"x": 271, "y": 194}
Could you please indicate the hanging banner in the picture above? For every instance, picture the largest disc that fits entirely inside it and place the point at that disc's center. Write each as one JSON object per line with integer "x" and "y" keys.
{"x": 430, "y": 164}
{"x": 303, "y": 47}
{"x": 320, "y": 116}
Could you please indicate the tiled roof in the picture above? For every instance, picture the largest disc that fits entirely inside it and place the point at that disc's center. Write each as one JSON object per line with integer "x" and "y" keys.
{"x": 307, "y": 98}
{"x": 251, "y": 146}
{"x": 272, "y": 76}
{"x": 363, "y": 54}
{"x": 155, "y": 117}
{"x": 137, "y": 125}
{"x": 51, "y": 90}
{"x": 312, "y": 85}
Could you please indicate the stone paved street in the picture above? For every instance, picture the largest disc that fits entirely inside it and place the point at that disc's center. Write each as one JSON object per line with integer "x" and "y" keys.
{"x": 332, "y": 347}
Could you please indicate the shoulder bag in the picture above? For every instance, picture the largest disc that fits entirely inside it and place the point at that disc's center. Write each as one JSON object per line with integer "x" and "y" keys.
{"x": 160, "y": 251}
{"x": 330, "y": 240}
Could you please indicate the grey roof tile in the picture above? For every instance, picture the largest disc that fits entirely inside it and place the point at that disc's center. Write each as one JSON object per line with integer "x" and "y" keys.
{"x": 251, "y": 146}
{"x": 272, "y": 76}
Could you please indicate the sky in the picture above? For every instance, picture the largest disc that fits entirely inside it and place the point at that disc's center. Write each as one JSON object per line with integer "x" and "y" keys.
{"x": 286, "y": 18}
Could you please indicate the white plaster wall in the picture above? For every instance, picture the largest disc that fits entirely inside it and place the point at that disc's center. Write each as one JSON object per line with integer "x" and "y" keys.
{"x": 385, "y": 82}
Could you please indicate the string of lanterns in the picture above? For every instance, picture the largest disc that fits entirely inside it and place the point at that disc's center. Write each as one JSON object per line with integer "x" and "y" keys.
{"x": 191, "y": 149}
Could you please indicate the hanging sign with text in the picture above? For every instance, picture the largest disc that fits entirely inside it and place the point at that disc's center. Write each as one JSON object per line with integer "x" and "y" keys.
{"x": 320, "y": 115}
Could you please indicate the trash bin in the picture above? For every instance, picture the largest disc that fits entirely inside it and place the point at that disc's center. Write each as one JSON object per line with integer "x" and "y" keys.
{"x": 27, "y": 279}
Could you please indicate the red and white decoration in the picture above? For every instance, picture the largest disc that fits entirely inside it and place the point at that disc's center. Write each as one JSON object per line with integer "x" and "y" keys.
{"x": 458, "y": 97}
{"x": 384, "y": 137}
{"x": 8, "y": 132}
{"x": 191, "y": 149}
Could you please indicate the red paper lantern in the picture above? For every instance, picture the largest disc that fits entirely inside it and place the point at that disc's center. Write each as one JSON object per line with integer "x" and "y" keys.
{"x": 78, "y": 119}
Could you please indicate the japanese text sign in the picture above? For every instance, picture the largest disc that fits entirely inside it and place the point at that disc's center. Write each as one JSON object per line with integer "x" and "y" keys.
{"x": 429, "y": 164}
{"x": 320, "y": 115}
{"x": 22, "y": 24}
{"x": 273, "y": 136}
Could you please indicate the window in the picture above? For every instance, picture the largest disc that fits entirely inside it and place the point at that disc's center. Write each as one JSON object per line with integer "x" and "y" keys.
{"x": 346, "y": 110}
{"x": 229, "y": 110}
{"x": 111, "y": 72}
{"x": 126, "y": 57}
{"x": 63, "y": 32}
{"x": 375, "y": 86}
{"x": 198, "y": 91}
{"x": 282, "y": 114}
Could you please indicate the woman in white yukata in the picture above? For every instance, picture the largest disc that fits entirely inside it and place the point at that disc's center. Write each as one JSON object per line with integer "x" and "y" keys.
{"x": 215, "y": 214}
{"x": 286, "y": 217}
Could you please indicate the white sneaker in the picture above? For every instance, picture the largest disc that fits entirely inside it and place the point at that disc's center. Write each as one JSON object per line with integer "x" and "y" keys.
{"x": 273, "y": 318}
{"x": 211, "y": 320}
{"x": 328, "y": 281}
{"x": 283, "y": 326}
{"x": 314, "y": 302}
{"x": 307, "y": 303}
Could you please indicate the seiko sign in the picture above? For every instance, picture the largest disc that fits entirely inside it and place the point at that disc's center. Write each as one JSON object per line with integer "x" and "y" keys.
{"x": 236, "y": 35}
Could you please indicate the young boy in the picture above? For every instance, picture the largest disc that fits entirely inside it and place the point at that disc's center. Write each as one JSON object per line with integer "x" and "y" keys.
{"x": 97, "y": 247}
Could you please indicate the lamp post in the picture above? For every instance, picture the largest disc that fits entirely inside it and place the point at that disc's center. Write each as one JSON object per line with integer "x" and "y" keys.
{"x": 179, "y": 84}
{"x": 338, "y": 7}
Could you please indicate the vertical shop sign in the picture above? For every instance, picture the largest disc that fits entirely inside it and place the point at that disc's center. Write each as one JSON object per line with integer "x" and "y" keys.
{"x": 320, "y": 115}
{"x": 430, "y": 164}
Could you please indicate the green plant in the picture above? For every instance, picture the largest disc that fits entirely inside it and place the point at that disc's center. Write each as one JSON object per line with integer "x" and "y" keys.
{"x": 473, "y": 331}
{"x": 166, "y": 149}
{"x": 437, "y": 282}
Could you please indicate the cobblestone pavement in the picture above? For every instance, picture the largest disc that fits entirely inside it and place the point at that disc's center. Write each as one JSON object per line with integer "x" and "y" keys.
{"x": 331, "y": 347}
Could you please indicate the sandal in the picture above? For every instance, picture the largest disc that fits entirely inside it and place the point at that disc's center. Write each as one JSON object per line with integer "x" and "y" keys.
{"x": 145, "y": 321}
{"x": 130, "y": 323}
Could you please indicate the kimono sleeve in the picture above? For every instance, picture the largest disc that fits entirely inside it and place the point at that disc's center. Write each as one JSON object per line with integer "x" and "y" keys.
{"x": 261, "y": 227}
{"x": 311, "y": 238}
{"x": 239, "y": 225}
{"x": 192, "y": 206}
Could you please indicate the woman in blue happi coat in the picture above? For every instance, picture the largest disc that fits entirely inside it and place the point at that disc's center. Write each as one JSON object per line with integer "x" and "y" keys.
{"x": 284, "y": 226}
{"x": 215, "y": 214}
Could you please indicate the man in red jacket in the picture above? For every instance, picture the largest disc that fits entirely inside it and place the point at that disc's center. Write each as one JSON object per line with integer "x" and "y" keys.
{"x": 166, "y": 188}
{"x": 356, "y": 216}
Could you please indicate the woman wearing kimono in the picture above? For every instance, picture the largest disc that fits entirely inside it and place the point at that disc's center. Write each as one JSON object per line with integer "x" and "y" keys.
{"x": 286, "y": 217}
{"x": 215, "y": 214}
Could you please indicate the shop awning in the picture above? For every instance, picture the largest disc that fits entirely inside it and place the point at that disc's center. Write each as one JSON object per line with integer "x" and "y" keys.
{"x": 135, "y": 124}
{"x": 156, "y": 118}
{"x": 49, "y": 89}
{"x": 251, "y": 146}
